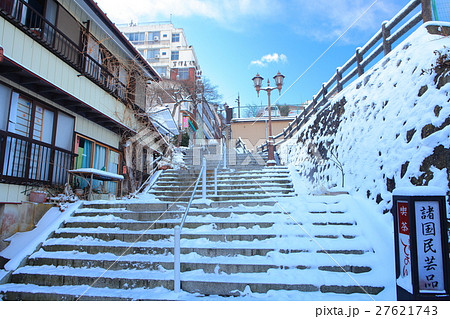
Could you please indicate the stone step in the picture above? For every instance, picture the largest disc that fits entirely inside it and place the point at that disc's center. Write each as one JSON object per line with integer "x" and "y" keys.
{"x": 223, "y": 192}
{"x": 222, "y": 198}
{"x": 198, "y": 223}
{"x": 161, "y": 224}
{"x": 226, "y": 186}
{"x": 223, "y": 175}
{"x": 19, "y": 292}
{"x": 177, "y": 215}
{"x": 229, "y": 287}
{"x": 196, "y": 281}
{"x": 350, "y": 246}
{"x": 210, "y": 183}
{"x": 96, "y": 277}
{"x": 119, "y": 249}
{"x": 165, "y": 234}
{"x": 228, "y": 265}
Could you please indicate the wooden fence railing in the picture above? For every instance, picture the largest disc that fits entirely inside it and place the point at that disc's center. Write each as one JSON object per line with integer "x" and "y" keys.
{"x": 381, "y": 43}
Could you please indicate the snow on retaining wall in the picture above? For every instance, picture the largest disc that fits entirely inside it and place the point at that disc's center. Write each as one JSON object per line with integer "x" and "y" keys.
{"x": 389, "y": 128}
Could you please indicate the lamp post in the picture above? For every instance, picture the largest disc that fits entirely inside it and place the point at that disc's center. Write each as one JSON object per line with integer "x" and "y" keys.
{"x": 257, "y": 81}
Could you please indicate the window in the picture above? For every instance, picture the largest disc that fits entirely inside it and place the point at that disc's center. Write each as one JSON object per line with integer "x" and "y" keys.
{"x": 175, "y": 37}
{"x": 136, "y": 37}
{"x": 154, "y": 36}
{"x": 162, "y": 71}
{"x": 5, "y": 96}
{"x": 183, "y": 74}
{"x": 92, "y": 154}
{"x": 37, "y": 142}
{"x": 175, "y": 55}
{"x": 152, "y": 54}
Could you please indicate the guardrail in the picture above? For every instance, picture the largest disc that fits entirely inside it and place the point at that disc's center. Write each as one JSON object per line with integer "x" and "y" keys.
{"x": 356, "y": 65}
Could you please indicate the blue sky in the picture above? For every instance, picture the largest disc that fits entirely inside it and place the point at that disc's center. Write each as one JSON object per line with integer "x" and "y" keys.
{"x": 232, "y": 37}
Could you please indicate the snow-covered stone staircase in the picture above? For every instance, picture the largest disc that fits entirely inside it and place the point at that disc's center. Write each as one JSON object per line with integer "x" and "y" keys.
{"x": 244, "y": 243}
{"x": 241, "y": 185}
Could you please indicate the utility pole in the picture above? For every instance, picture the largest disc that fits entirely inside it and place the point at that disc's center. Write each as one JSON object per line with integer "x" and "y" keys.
{"x": 238, "y": 100}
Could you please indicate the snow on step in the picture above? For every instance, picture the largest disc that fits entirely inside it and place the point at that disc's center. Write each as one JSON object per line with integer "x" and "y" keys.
{"x": 118, "y": 254}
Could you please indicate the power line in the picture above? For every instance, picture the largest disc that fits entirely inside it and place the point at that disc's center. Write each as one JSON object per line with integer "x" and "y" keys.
{"x": 353, "y": 23}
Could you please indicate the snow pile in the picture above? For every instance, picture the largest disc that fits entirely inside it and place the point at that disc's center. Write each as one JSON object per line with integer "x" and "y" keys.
{"x": 177, "y": 158}
{"x": 23, "y": 244}
{"x": 388, "y": 129}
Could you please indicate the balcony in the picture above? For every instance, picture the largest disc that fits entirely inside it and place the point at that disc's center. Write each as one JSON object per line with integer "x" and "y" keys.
{"x": 27, "y": 161}
{"x": 32, "y": 22}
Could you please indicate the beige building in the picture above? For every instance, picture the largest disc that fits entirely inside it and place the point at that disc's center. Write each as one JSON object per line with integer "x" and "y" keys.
{"x": 254, "y": 131}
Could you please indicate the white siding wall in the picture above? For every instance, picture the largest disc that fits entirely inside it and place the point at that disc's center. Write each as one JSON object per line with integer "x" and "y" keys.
{"x": 25, "y": 51}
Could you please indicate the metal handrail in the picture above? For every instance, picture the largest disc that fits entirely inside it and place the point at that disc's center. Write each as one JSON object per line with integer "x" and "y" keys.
{"x": 178, "y": 228}
{"x": 140, "y": 189}
{"x": 202, "y": 170}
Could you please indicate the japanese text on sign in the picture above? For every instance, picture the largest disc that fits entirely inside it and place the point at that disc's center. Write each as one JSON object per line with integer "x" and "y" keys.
{"x": 429, "y": 247}
{"x": 405, "y": 279}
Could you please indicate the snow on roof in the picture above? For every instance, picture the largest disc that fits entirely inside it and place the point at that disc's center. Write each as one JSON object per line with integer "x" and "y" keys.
{"x": 99, "y": 174}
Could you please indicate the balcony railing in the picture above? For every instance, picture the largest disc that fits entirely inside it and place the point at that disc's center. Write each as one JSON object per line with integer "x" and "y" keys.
{"x": 27, "y": 161}
{"x": 25, "y": 17}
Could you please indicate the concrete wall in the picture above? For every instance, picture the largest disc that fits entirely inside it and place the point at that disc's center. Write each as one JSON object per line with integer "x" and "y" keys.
{"x": 254, "y": 133}
{"x": 19, "y": 218}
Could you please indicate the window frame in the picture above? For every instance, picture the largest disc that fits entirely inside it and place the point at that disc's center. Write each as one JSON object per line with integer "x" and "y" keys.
{"x": 176, "y": 37}
{"x": 96, "y": 143}
{"x": 175, "y": 55}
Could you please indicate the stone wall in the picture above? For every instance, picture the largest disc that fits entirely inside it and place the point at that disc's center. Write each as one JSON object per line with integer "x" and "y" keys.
{"x": 388, "y": 129}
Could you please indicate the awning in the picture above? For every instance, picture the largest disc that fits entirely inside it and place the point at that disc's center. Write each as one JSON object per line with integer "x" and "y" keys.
{"x": 164, "y": 122}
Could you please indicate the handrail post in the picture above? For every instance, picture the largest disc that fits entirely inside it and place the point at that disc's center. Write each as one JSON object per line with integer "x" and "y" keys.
{"x": 359, "y": 59}
{"x": 224, "y": 155}
{"x": 386, "y": 34}
{"x": 176, "y": 260}
{"x": 215, "y": 181}
{"x": 204, "y": 179}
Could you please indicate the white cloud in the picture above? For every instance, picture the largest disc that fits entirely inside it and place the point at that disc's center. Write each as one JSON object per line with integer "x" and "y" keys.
{"x": 230, "y": 13}
{"x": 270, "y": 58}
{"x": 325, "y": 20}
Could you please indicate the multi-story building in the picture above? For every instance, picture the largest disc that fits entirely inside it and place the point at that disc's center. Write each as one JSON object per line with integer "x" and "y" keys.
{"x": 168, "y": 52}
{"x": 72, "y": 88}
{"x": 165, "y": 48}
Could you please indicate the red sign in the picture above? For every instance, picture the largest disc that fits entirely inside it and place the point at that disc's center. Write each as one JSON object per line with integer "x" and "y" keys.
{"x": 403, "y": 217}
{"x": 405, "y": 279}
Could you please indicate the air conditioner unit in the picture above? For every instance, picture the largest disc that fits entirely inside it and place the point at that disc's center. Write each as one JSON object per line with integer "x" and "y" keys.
{"x": 156, "y": 38}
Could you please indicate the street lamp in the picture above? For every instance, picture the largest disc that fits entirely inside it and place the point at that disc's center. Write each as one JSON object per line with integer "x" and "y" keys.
{"x": 257, "y": 81}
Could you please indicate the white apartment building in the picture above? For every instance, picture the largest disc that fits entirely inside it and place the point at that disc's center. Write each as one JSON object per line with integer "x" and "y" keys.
{"x": 165, "y": 48}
